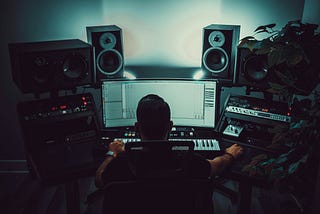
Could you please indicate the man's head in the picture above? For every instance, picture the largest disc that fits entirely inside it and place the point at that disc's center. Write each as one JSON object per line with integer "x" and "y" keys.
{"x": 153, "y": 118}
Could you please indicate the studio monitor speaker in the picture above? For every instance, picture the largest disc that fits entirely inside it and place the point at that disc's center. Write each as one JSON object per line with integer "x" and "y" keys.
{"x": 253, "y": 69}
{"x": 108, "y": 45}
{"x": 51, "y": 65}
{"x": 219, "y": 52}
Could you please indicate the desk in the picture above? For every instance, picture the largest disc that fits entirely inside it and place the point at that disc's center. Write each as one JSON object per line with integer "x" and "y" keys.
{"x": 70, "y": 180}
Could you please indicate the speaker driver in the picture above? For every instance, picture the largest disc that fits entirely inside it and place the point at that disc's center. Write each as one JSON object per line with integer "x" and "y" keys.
{"x": 216, "y": 39}
{"x": 107, "y": 41}
{"x": 256, "y": 68}
{"x": 42, "y": 70}
{"x": 215, "y": 59}
{"x": 74, "y": 67}
{"x": 109, "y": 62}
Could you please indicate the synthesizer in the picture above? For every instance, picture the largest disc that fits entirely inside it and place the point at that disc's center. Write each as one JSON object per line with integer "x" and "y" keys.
{"x": 206, "y": 141}
{"x": 252, "y": 120}
{"x": 199, "y": 144}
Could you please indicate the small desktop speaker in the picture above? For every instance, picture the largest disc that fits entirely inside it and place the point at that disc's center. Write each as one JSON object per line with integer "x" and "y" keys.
{"x": 51, "y": 65}
{"x": 108, "y": 45}
{"x": 253, "y": 69}
{"x": 219, "y": 52}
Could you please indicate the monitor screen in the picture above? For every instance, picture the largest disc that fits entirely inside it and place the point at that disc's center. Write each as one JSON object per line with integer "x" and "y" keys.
{"x": 192, "y": 103}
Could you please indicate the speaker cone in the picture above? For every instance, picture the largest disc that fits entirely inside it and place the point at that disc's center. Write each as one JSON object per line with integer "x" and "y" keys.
{"x": 74, "y": 67}
{"x": 256, "y": 68}
{"x": 109, "y": 62}
{"x": 215, "y": 59}
{"x": 42, "y": 71}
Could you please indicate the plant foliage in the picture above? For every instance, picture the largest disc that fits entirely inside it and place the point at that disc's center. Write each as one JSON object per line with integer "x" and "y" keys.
{"x": 293, "y": 55}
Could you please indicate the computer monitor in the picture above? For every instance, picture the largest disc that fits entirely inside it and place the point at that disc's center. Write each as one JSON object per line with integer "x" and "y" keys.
{"x": 192, "y": 103}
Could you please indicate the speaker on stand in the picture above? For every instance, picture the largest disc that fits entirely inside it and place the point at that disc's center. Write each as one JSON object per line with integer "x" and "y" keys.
{"x": 219, "y": 52}
{"x": 51, "y": 65}
{"x": 108, "y": 45}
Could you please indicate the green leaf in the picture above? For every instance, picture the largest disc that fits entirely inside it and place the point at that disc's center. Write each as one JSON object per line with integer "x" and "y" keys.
{"x": 282, "y": 158}
{"x": 251, "y": 44}
{"x": 244, "y": 42}
{"x": 263, "y": 31}
{"x": 248, "y": 38}
{"x": 293, "y": 167}
{"x": 268, "y": 162}
{"x": 262, "y": 27}
{"x": 271, "y": 25}
{"x": 265, "y": 46}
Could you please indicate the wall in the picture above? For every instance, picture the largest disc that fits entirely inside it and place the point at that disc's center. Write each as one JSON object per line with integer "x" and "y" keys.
{"x": 311, "y": 12}
{"x": 155, "y": 32}
{"x": 35, "y": 20}
{"x": 170, "y": 32}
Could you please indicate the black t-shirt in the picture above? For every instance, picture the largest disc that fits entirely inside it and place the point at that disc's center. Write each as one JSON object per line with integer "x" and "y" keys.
{"x": 121, "y": 169}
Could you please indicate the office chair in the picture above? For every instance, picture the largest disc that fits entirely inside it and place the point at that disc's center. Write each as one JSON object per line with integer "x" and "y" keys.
{"x": 160, "y": 187}
{"x": 159, "y": 196}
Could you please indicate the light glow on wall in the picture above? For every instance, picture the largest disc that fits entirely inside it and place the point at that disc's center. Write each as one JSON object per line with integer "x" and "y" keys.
{"x": 170, "y": 32}
{"x": 161, "y": 32}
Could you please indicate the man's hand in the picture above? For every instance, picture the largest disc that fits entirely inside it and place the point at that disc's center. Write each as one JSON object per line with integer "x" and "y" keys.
{"x": 116, "y": 147}
{"x": 235, "y": 150}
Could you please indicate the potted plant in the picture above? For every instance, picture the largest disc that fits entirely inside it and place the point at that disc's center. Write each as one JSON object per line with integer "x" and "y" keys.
{"x": 293, "y": 57}
{"x": 292, "y": 53}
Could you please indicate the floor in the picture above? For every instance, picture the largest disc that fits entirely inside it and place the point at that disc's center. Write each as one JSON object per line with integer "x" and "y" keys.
{"x": 21, "y": 194}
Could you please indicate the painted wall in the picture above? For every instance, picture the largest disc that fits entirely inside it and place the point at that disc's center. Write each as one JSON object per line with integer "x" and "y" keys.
{"x": 311, "y": 12}
{"x": 155, "y": 33}
{"x": 170, "y": 32}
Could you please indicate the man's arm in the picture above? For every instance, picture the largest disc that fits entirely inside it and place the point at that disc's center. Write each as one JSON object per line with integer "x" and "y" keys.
{"x": 219, "y": 164}
{"x": 98, "y": 179}
{"x": 116, "y": 147}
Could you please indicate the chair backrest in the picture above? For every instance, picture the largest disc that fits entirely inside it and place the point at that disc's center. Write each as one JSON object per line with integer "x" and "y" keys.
{"x": 161, "y": 185}
{"x": 155, "y": 196}
{"x": 158, "y": 158}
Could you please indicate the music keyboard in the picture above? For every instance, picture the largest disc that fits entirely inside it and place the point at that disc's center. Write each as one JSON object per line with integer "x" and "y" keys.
{"x": 199, "y": 144}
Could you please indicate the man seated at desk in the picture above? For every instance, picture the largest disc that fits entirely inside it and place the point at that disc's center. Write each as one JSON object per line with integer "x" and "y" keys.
{"x": 153, "y": 123}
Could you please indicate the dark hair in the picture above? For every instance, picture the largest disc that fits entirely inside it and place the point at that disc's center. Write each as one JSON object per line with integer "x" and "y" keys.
{"x": 153, "y": 116}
